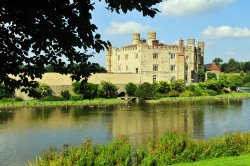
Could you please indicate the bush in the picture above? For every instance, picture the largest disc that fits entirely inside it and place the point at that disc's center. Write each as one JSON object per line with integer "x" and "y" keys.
{"x": 65, "y": 94}
{"x": 211, "y": 76}
{"x": 130, "y": 89}
{"x": 41, "y": 91}
{"x": 209, "y": 92}
{"x": 173, "y": 93}
{"x": 187, "y": 93}
{"x": 163, "y": 87}
{"x": 145, "y": 91}
{"x": 52, "y": 98}
{"x": 12, "y": 99}
{"x": 247, "y": 84}
{"x": 178, "y": 85}
{"x": 87, "y": 90}
{"x": 75, "y": 97}
{"x": 107, "y": 90}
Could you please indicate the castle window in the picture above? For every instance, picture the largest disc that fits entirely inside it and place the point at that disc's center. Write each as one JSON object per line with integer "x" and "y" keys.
{"x": 155, "y": 67}
{"x": 136, "y": 56}
{"x": 172, "y": 68}
{"x": 155, "y": 55}
{"x": 136, "y": 70}
{"x": 118, "y": 57}
{"x": 154, "y": 78}
{"x": 172, "y": 56}
{"x": 126, "y": 67}
{"x": 126, "y": 57}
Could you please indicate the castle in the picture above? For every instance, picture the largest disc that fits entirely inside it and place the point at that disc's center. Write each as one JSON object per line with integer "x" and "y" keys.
{"x": 154, "y": 61}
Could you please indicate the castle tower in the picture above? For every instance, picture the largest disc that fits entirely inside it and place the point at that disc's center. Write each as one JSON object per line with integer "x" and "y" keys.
{"x": 135, "y": 38}
{"x": 151, "y": 37}
{"x": 108, "y": 58}
{"x": 201, "y": 46}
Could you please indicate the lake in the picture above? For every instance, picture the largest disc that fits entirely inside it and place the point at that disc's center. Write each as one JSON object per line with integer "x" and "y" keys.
{"x": 25, "y": 132}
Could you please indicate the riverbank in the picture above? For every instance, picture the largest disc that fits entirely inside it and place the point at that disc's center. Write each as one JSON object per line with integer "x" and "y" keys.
{"x": 170, "y": 149}
{"x": 223, "y": 161}
{"x": 105, "y": 102}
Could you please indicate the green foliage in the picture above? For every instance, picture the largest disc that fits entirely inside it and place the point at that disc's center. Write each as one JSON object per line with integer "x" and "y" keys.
{"x": 214, "y": 85}
{"x": 211, "y": 76}
{"x": 131, "y": 89}
{"x": 173, "y": 93}
{"x": 87, "y": 90}
{"x": 178, "y": 85}
{"x": 107, "y": 90}
{"x": 246, "y": 66}
{"x": 75, "y": 97}
{"x": 65, "y": 94}
{"x": 60, "y": 33}
{"x": 5, "y": 92}
{"x": 12, "y": 99}
{"x": 41, "y": 91}
{"x": 231, "y": 67}
{"x": 187, "y": 93}
{"x": 217, "y": 61}
{"x": 52, "y": 98}
{"x": 163, "y": 87}
{"x": 170, "y": 149}
{"x": 145, "y": 91}
{"x": 246, "y": 78}
{"x": 247, "y": 84}
{"x": 201, "y": 75}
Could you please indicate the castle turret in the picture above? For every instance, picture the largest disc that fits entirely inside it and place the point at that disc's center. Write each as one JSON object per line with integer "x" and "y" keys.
{"x": 108, "y": 58}
{"x": 151, "y": 38}
{"x": 135, "y": 38}
{"x": 201, "y": 46}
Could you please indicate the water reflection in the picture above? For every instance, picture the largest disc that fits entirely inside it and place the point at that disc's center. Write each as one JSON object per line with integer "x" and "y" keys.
{"x": 26, "y": 131}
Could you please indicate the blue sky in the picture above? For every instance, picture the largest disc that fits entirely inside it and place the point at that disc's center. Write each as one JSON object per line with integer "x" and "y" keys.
{"x": 223, "y": 25}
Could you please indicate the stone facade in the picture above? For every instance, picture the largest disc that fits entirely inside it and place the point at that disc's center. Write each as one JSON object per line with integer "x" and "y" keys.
{"x": 155, "y": 61}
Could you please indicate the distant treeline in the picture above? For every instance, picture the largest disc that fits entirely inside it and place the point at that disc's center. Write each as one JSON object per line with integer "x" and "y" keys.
{"x": 232, "y": 66}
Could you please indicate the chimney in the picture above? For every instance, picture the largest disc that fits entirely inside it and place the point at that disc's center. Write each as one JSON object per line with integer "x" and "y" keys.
{"x": 181, "y": 45}
{"x": 155, "y": 43}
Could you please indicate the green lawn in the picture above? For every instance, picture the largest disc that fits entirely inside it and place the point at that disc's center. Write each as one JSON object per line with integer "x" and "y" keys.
{"x": 224, "y": 161}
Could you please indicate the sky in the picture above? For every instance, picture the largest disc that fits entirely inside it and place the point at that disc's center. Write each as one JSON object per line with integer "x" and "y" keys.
{"x": 224, "y": 26}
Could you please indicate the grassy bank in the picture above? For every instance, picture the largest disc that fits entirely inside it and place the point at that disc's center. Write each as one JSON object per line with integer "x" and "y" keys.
{"x": 170, "y": 149}
{"x": 243, "y": 160}
{"x": 102, "y": 101}
{"x": 94, "y": 102}
{"x": 230, "y": 96}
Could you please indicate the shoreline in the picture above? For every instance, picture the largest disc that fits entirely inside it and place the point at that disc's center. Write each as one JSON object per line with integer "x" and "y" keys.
{"x": 114, "y": 101}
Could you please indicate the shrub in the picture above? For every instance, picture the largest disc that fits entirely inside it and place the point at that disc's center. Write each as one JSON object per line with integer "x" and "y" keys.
{"x": 178, "y": 85}
{"x": 163, "y": 87}
{"x": 41, "y": 91}
{"x": 173, "y": 93}
{"x": 65, "y": 94}
{"x": 52, "y": 98}
{"x": 145, "y": 91}
{"x": 247, "y": 84}
{"x": 75, "y": 97}
{"x": 12, "y": 99}
{"x": 211, "y": 76}
{"x": 87, "y": 90}
{"x": 107, "y": 90}
{"x": 187, "y": 93}
{"x": 209, "y": 92}
{"x": 131, "y": 89}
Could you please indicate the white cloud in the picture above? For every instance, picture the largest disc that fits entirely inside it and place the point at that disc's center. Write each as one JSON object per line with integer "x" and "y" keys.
{"x": 226, "y": 32}
{"x": 118, "y": 28}
{"x": 191, "y": 7}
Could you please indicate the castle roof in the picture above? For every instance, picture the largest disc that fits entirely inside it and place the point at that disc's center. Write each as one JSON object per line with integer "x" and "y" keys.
{"x": 213, "y": 67}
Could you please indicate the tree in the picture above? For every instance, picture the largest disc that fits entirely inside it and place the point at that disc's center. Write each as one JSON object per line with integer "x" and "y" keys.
{"x": 217, "y": 61}
{"x": 145, "y": 91}
{"x": 107, "y": 90}
{"x": 246, "y": 66}
{"x": 131, "y": 89}
{"x": 211, "y": 76}
{"x": 34, "y": 34}
{"x": 232, "y": 66}
{"x": 201, "y": 75}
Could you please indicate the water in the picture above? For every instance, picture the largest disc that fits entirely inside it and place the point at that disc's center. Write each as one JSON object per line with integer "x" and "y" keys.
{"x": 26, "y": 132}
